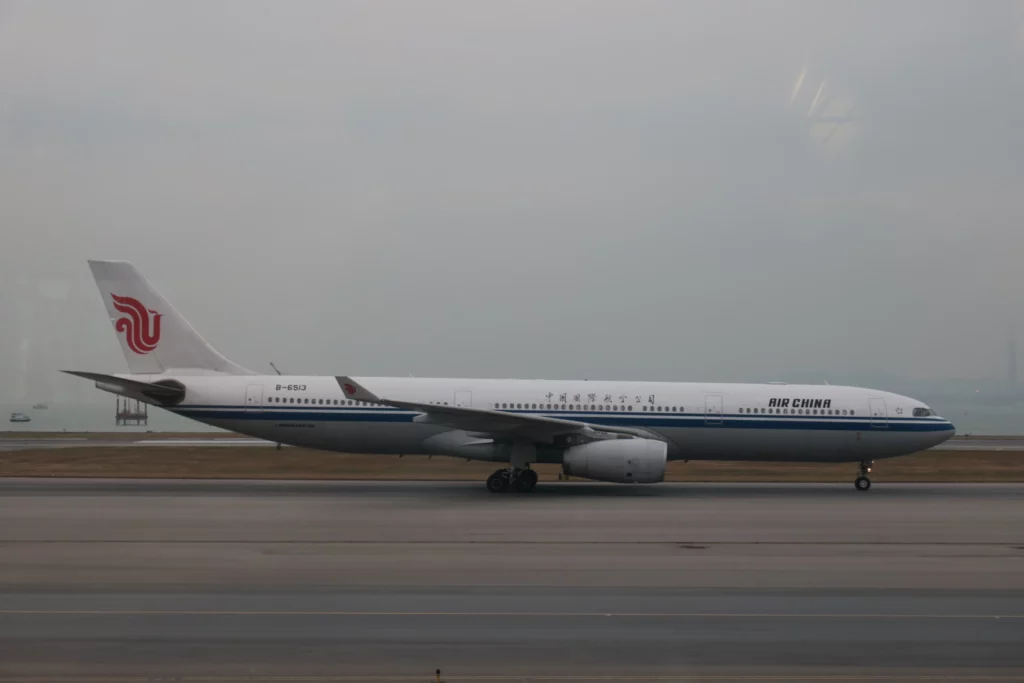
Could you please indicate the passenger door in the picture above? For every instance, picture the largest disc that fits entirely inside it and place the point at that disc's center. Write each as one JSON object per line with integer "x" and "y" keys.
{"x": 253, "y": 397}
{"x": 879, "y": 415}
{"x": 713, "y": 409}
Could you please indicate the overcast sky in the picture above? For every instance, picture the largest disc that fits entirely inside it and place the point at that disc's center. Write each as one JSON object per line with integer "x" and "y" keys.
{"x": 625, "y": 190}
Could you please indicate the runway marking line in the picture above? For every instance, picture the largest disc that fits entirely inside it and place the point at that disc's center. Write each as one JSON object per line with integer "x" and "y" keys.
{"x": 639, "y": 615}
{"x": 520, "y": 678}
{"x": 683, "y": 544}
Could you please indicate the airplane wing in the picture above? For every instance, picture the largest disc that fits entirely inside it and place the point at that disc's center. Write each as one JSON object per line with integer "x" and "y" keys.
{"x": 495, "y": 422}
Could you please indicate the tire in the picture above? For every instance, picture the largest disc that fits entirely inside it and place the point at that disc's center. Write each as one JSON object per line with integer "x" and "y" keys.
{"x": 862, "y": 483}
{"x": 497, "y": 482}
{"x": 527, "y": 480}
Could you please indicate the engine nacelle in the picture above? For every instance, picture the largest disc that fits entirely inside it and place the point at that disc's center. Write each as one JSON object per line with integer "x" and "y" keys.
{"x": 639, "y": 461}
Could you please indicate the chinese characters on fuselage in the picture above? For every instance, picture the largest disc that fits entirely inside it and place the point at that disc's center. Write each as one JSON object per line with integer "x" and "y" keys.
{"x": 592, "y": 398}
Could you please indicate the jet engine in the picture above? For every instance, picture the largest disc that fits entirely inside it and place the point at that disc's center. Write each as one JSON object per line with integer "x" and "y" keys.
{"x": 639, "y": 461}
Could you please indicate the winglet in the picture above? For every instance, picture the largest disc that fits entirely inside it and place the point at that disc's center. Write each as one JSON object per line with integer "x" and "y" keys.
{"x": 356, "y": 391}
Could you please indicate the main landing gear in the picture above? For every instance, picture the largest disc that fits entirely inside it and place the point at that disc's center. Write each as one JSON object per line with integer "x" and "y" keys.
{"x": 522, "y": 480}
{"x": 862, "y": 483}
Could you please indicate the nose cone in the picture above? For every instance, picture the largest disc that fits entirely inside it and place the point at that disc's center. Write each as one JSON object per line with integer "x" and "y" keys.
{"x": 944, "y": 429}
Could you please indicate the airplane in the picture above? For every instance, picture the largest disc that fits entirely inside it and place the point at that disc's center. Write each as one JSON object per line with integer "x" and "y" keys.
{"x": 623, "y": 432}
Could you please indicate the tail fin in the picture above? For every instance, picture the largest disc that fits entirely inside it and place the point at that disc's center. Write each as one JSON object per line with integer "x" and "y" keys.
{"x": 154, "y": 336}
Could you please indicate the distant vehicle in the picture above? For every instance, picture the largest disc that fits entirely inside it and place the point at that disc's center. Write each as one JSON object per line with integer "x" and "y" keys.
{"x": 20, "y": 417}
{"x": 608, "y": 431}
{"x": 40, "y": 406}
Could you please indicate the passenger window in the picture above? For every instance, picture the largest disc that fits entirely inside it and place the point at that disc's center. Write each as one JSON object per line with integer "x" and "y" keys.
{"x": 630, "y": 408}
{"x": 851, "y": 412}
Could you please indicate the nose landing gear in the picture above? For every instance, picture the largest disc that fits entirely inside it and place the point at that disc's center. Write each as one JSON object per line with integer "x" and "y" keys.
{"x": 521, "y": 480}
{"x": 862, "y": 483}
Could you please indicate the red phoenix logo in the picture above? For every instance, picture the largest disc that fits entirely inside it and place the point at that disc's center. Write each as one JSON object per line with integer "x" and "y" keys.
{"x": 141, "y": 326}
{"x": 349, "y": 389}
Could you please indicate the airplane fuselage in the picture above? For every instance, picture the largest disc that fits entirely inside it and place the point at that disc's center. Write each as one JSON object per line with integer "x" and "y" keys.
{"x": 777, "y": 422}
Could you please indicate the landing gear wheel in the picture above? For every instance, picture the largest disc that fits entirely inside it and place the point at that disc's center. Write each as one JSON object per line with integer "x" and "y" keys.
{"x": 526, "y": 481}
{"x": 498, "y": 482}
{"x": 862, "y": 483}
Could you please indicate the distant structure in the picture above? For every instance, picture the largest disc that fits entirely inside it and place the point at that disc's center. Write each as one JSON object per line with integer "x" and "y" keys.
{"x": 131, "y": 412}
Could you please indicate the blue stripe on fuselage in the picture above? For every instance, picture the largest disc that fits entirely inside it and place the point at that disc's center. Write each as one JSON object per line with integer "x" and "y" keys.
{"x": 683, "y": 420}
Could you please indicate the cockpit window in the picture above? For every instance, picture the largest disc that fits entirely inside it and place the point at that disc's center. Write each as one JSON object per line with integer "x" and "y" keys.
{"x": 923, "y": 412}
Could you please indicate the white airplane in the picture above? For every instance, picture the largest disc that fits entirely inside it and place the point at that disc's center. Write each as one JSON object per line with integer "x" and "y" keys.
{"x": 607, "y": 431}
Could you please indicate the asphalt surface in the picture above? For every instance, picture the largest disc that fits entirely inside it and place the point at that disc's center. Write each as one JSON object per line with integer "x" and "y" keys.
{"x": 358, "y": 581}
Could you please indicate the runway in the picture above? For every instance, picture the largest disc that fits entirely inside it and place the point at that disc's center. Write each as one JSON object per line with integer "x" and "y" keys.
{"x": 358, "y": 581}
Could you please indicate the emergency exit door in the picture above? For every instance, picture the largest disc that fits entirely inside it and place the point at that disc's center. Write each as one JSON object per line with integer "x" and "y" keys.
{"x": 463, "y": 399}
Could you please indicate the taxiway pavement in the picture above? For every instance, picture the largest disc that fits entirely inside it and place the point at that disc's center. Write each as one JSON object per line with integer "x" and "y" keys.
{"x": 109, "y": 578}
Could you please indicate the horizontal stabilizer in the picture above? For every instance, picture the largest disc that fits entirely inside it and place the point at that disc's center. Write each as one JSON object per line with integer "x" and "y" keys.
{"x": 167, "y": 393}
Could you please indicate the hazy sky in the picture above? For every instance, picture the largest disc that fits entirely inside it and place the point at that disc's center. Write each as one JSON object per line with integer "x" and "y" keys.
{"x": 648, "y": 190}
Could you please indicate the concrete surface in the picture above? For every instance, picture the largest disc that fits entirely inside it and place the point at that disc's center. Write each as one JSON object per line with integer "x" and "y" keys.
{"x": 357, "y": 581}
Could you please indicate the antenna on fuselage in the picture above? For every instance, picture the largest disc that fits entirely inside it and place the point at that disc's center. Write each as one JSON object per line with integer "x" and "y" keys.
{"x": 275, "y": 368}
